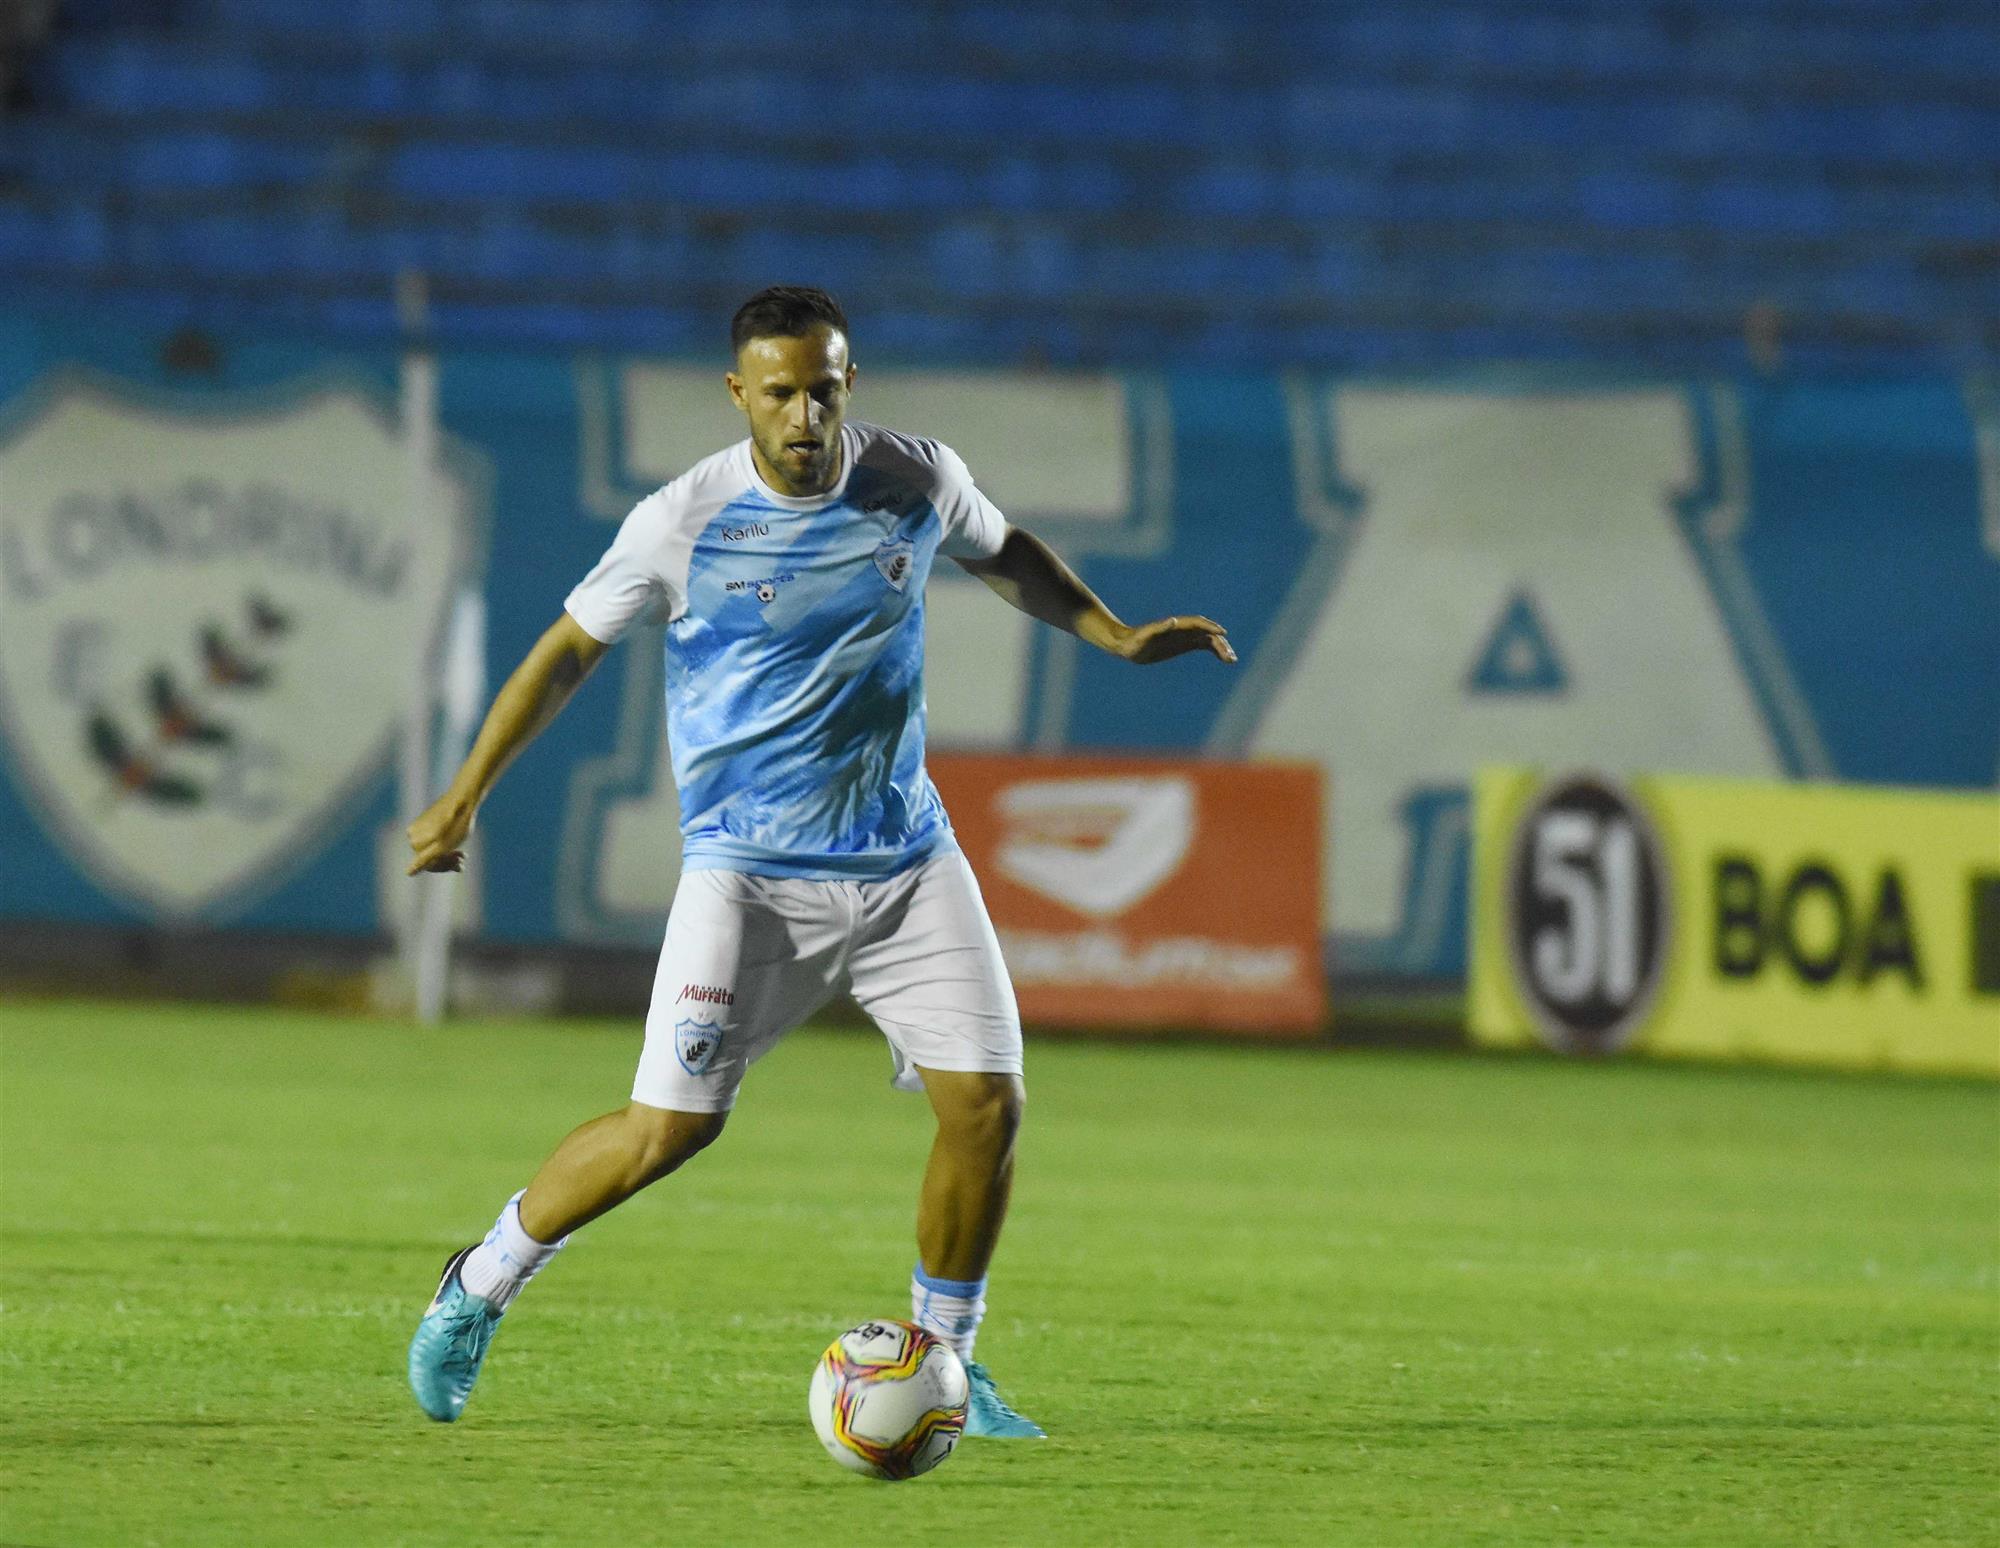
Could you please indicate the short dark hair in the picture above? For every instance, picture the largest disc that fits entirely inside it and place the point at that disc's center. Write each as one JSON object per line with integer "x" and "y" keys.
{"x": 784, "y": 312}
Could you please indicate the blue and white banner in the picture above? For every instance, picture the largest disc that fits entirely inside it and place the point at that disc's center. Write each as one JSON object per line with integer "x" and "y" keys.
{"x": 213, "y": 588}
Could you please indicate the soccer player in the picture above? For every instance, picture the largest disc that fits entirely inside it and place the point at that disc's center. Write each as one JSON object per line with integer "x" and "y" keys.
{"x": 789, "y": 571}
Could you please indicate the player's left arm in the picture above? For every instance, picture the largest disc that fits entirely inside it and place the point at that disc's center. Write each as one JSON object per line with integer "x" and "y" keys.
{"x": 1030, "y": 575}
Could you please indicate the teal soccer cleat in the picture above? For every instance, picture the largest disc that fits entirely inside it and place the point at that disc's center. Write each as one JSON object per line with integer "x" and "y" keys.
{"x": 987, "y": 1413}
{"x": 450, "y": 1345}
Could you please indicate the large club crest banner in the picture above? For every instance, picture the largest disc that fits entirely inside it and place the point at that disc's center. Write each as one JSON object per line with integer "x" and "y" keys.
{"x": 211, "y": 620}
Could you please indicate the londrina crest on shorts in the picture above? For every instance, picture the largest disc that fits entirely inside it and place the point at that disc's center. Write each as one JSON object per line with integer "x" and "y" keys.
{"x": 695, "y": 1043}
{"x": 894, "y": 559}
{"x": 211, "y": 609}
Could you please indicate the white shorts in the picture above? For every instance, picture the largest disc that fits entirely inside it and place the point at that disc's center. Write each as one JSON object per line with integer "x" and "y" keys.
{"x": 747, "y": 958}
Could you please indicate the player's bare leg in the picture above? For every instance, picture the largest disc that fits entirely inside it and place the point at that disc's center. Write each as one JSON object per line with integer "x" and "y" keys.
{"x": 603, "y": 1163}
{"x": 959, "y": 1215}
{"x": 597, "y": 1167}
{"x": 971, "y": 1170}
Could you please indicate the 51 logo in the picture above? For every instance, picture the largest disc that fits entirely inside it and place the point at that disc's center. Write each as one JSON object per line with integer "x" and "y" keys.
{"x": 1588, "y": 913}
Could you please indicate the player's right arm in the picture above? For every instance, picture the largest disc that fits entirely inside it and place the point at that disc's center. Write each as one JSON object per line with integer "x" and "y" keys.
{"x": 540, "y": 686}
{"x": 626, "y": 587}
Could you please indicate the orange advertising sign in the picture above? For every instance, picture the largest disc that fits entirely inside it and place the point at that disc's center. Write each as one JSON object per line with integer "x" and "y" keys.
{"x": 1145, "y": 892}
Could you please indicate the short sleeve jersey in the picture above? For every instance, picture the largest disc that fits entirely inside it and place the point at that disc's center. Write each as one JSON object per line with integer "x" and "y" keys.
{"x": 795, "y": 650}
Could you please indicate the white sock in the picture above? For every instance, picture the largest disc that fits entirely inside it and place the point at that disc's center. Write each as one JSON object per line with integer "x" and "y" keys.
{"x": 948, "y": 1309}
{"x": 498, "y": 1268}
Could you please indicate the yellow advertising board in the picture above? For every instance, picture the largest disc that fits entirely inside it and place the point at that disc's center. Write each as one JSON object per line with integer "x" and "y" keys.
{"x": 1814, "y": 924}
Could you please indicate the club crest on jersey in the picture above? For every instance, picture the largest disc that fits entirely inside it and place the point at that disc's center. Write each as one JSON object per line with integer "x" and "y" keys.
{"x": 695, "y": 1043}
{"x": 895, "y": 559}
{"x": 205, "y": 650}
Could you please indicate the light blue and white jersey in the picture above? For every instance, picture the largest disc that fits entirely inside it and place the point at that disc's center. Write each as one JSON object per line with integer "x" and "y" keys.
{"x": 795, "y": 650}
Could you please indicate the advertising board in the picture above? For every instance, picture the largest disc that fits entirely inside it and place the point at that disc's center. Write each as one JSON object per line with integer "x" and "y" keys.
{"x": 1838, "y": 925}
{"x": 1136, "y": 893}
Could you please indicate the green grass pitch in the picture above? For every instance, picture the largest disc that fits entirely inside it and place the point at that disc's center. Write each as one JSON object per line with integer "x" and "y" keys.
{"x": 1256, "y": 1296}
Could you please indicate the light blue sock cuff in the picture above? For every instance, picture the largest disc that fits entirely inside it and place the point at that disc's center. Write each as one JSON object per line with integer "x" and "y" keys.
{"x": 964, "y": 1289}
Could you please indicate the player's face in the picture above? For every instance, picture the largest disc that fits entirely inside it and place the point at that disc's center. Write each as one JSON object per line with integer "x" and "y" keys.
{"x": 795, "y": 394}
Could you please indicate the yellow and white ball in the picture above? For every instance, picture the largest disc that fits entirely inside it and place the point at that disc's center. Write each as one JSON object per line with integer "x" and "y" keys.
{"x": 888, "y": 1400}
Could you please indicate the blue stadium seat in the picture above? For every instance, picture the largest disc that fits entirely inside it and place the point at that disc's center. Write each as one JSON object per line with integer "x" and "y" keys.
{"x": 41, "y": 239}
{"x": 1034, "y": 177}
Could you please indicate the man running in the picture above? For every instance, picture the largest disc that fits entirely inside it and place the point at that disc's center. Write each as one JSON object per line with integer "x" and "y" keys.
{"x": 789, "y": 571}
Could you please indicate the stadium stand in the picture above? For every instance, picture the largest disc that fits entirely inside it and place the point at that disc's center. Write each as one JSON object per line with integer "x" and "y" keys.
{"x": 24, "y": 24}
{"x": 1336, "y": 183}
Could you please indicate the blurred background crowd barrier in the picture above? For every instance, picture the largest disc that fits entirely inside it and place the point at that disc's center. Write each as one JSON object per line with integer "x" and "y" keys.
{"x": 1566, "y": 386}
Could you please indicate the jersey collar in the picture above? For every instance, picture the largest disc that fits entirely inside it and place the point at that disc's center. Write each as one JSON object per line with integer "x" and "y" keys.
{"x": 818, "y": 502}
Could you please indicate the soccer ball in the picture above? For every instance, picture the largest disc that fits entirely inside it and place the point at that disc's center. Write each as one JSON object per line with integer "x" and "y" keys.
{"x": 888, "y": 1400}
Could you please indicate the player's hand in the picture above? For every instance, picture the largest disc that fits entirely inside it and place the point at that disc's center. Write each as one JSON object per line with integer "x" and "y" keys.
{"x": 1165, "y": 638}
{"x": 438, "y": 836}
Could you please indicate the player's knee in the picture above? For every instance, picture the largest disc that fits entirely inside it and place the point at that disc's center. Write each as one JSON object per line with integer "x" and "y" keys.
{"x": 984, "y": 1111}
{"x": 663, "y": 1141}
